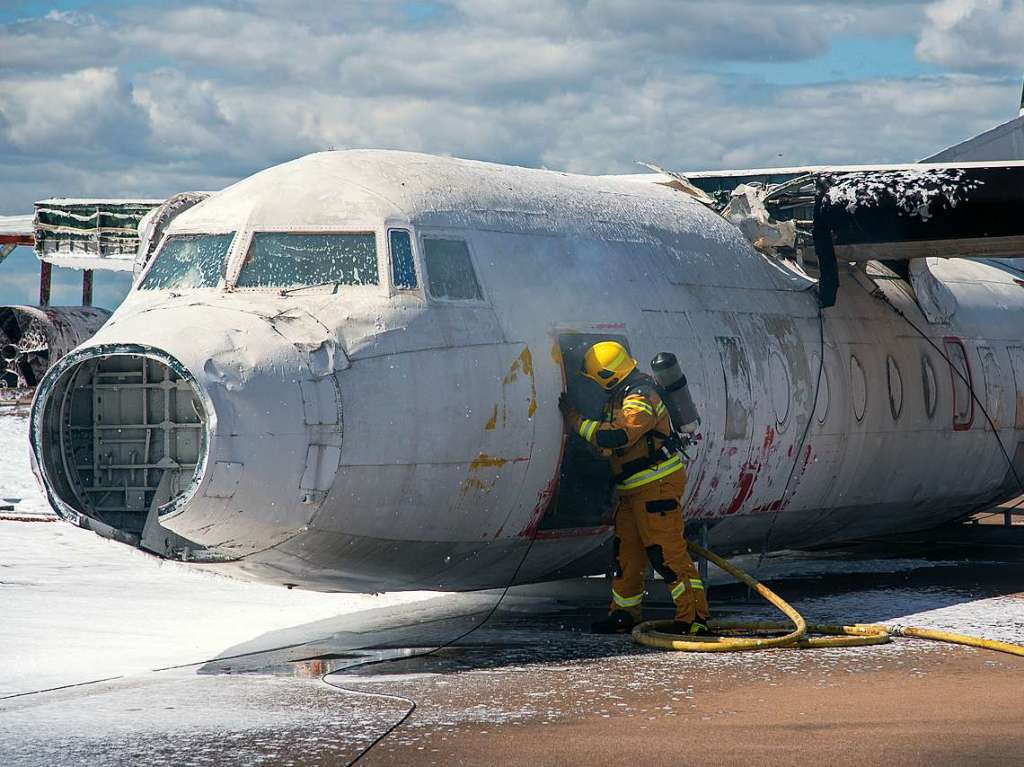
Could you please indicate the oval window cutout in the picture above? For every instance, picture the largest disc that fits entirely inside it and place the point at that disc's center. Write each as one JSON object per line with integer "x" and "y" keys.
{"x": 780, "y": 386}
{"x": 928, "y": 382}
{"x": 858, "y": 388}
{"x": 824, "y": 389}
{"x": 895, "y": 388}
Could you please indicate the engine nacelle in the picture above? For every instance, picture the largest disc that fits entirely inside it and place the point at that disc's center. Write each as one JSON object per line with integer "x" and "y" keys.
{"x": 33, "y": 338}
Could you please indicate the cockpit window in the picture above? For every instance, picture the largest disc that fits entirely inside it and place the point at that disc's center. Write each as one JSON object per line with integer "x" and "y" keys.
{"x": 450, "y": 274}
{"x": 403, "y": 268}
{"x": 188, "y": 261}
{"x": 284, "y": 260}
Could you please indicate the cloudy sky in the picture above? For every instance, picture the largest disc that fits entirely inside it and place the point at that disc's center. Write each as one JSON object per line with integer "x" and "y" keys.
{"x": 116, "y": 98}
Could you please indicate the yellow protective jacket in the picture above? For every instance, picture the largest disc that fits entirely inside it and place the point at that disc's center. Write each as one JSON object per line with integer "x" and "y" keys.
{"x": 631, "y": 433}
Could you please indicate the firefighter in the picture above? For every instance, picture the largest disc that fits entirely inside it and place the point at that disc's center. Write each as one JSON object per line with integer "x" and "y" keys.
{"x": 634, "y": 433}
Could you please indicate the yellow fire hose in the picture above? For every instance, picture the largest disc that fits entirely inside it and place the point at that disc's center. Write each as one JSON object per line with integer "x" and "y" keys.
{"x": 735, "y": 634}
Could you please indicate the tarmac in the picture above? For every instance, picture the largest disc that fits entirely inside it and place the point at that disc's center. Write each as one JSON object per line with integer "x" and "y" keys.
{"x": 530, "y": 686}
{"x": 111, "y": 657}
{"x": 936, "y": 708}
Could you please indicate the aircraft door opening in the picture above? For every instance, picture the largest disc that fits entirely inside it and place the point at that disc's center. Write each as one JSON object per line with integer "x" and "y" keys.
{"x": 584, "y": 495}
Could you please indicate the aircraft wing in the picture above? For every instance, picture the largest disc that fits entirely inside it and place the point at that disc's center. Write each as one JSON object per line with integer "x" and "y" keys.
{"x": 100, "y": 234}
{"x": 15, "y": 231}
{"x": 962, "y": 210}
{"x": 817, "y": 216}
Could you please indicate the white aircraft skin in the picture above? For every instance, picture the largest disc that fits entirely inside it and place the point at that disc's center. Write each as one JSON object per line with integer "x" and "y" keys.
{"x": 369, "y": 438}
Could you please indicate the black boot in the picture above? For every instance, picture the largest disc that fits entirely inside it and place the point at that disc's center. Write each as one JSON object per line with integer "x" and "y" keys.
{"x": 697, "y": 628}
{"x": 616, "y": 622}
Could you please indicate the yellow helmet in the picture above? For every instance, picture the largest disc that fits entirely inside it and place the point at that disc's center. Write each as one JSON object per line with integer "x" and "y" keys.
{"x": 607, "y": 363}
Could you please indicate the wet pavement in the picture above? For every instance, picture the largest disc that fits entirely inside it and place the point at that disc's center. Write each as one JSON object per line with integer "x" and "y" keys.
{"x": 532, "y": 687}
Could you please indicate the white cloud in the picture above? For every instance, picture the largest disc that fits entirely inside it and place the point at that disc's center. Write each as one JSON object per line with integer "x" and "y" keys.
{"x": 237, "y": 42}
{"x": 363, "y": 60}
{"x": 79, "y": 113}
{"x": 974, "y": 35}
{"x": 692, "y": 121}
{"x": 57, "y": 42}
{"x": 744, "y": 30}
{"x": 479, "y": 49}
{"x": 717, "y": 125}
{"x": 185, "y": 116}
{"x": 182, "y": 96}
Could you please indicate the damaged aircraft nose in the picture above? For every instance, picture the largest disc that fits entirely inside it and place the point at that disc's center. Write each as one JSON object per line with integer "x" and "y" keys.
{"x": 120, "y": 434}
{"x": 170, "y": 451}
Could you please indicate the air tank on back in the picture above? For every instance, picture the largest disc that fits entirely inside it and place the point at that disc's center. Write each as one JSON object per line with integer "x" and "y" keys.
{"x": 670, "y": 378}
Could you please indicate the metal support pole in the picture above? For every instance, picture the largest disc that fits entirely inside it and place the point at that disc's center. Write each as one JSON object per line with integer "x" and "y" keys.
{"x": 45, "y": 275}
{"x": 87, "y": 287}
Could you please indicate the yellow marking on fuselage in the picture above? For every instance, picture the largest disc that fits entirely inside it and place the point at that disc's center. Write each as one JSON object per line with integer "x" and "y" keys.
{"x": 483, "y": 460}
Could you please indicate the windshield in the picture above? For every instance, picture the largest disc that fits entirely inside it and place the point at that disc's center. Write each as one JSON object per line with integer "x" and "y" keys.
{"x": 188, "y": 261}
{"x": 284, "y": 260}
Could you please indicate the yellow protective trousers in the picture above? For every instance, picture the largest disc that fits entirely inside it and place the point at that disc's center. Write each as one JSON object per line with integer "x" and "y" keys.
{"x": 649, "y": 526}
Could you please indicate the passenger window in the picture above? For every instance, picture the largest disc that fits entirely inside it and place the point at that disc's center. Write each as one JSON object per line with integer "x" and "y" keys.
{"x": 892, "y": 370}
{"x": 403, "y": 269}
{"x": 285, "y": 260}
{"x": 931, "y": 392}
{"x": 449, "y": 270}
{"x": 188, "y": 261}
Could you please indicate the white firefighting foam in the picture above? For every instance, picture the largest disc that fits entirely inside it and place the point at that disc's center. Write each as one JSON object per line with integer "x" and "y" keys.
{"x": 77, "y": 607}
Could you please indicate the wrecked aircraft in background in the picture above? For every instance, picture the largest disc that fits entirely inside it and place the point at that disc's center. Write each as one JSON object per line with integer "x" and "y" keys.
{"x": 33, "y": 337}
{"x": 85, "y": 235}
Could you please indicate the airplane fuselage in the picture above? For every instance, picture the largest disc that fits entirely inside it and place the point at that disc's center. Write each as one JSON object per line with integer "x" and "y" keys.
{"x": 398, "y": 429}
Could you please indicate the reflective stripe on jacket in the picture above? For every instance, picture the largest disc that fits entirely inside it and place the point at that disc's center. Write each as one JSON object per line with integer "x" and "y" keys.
{"x": 630, "y": 416}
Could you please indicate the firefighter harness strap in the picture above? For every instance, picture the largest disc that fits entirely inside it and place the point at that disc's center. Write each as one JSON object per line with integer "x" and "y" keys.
{"x": 735, "y": 635}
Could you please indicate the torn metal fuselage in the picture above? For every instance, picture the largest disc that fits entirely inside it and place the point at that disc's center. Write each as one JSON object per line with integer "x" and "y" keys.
{"x": 342, "y": 374}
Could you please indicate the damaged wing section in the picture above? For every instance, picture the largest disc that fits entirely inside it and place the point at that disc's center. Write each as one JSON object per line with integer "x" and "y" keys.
{"x": 89, "y": 234}
{"x": 746, "y": 210}
{"x": 14, "y": 231}
{"x": 915, "y": 211}
{"x": 882, "y": 213}
{"x": 888, "y": 212}
{"x": 969, "y": 211}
